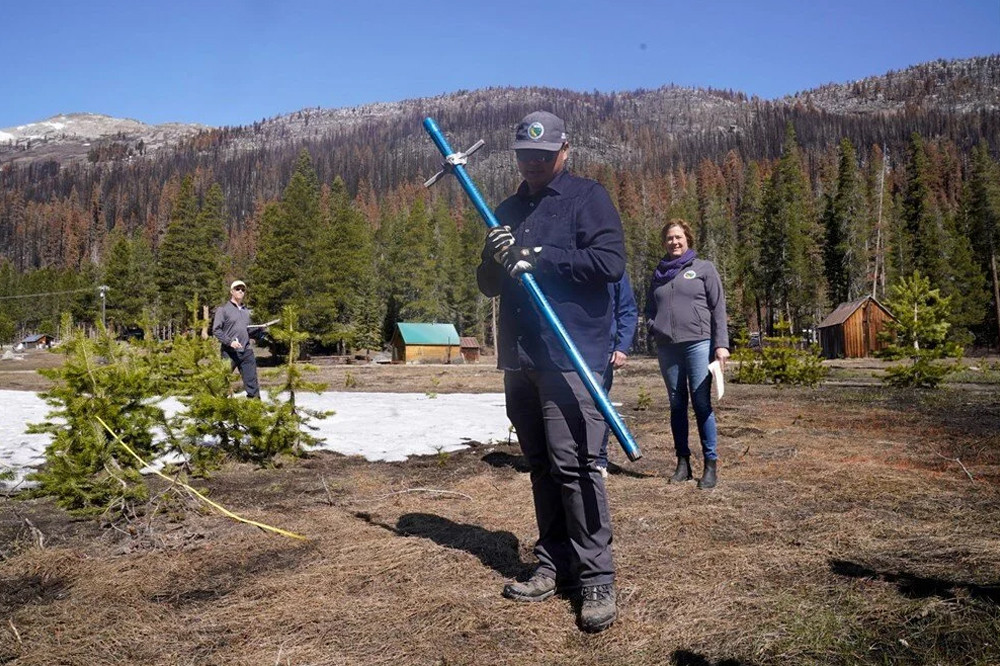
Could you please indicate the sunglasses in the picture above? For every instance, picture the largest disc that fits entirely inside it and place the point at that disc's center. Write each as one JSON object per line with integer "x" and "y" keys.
{"x": 535, "y": 155}
{"x": 240, "y": 289}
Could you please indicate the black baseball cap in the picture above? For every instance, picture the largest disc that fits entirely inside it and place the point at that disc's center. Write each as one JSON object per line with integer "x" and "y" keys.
{"x": 540, "y": 130}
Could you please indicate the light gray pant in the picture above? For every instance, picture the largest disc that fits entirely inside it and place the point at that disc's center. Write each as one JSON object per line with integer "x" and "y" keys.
{"x": 560, "y": 431}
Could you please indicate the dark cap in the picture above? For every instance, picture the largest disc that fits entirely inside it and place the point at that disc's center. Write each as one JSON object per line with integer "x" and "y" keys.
{"x": 540, "y": 130}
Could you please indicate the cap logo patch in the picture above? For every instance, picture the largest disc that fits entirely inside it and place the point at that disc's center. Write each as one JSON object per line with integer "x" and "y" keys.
{"x": 536, "y": 130}
{"x": 690, "y": 275}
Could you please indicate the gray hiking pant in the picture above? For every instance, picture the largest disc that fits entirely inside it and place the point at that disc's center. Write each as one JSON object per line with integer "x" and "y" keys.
{"x": 560, "y": 431}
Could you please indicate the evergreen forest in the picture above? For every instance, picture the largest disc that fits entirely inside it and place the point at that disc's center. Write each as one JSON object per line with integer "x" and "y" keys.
{"x": 801, "y": 208}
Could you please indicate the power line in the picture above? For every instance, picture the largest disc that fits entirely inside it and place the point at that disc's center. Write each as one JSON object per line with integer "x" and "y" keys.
{"x": 47, "y": 293}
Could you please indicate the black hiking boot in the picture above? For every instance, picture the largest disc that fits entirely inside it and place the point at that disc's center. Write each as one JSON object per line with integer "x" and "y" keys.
{"x": 683, "y": 471}
{"x": 537, "y": 588}
{"x": 597, "y": 607}
{"x": 708, "y": 478}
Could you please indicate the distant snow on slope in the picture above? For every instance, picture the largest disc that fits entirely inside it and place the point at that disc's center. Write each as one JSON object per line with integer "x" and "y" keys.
{"x": 68, "y": 137}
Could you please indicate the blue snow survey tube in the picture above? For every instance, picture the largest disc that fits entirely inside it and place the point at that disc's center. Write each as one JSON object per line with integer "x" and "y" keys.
{"x": 454, "y": 163}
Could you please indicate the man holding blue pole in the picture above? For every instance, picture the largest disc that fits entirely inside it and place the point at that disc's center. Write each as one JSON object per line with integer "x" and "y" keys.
{"x": 565, "y": 231}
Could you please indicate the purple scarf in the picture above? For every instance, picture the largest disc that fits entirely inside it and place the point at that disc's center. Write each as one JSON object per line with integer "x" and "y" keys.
{"x": 668, "y": 268}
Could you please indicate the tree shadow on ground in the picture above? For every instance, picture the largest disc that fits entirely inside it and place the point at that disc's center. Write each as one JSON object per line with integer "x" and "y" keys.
{"x": 39, "y": 590}
{"x": 918, "y": 587}
{"x": 496, "y": 549}
{"x": 688, "y": 658}
{"x": 217, "y": 578}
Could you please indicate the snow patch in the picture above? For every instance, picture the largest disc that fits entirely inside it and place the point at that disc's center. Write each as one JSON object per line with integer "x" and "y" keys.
{"x": 377, "y": 426}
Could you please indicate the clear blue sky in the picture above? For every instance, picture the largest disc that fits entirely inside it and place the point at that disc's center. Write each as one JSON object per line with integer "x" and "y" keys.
{"x": 231, "y": 62}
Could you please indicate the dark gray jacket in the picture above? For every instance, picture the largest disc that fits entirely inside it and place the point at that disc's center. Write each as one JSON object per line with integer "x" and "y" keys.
{"x": 231, "y": 322}
{"x": 689, "y": 308}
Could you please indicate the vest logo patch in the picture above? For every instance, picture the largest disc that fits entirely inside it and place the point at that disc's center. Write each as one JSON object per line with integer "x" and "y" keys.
{"x": 690, "y": 275}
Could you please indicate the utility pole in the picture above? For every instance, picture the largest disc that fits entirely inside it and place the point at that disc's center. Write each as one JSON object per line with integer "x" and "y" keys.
{"x": 104, "y": 297}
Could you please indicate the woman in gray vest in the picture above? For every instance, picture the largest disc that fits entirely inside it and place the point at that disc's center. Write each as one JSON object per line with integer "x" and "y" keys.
{"x": 686, "y": 315}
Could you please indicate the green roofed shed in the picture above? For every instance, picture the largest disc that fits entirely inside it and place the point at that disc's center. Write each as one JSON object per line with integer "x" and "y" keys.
{"x": 426, "y": 343}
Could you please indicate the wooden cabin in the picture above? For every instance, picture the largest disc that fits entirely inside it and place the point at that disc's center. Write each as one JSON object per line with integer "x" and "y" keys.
{"x": 426, "y": 343}
{"x": 470, "y": 350}
{"x": 851, "y": 330}
{"x": 37, "y": 341}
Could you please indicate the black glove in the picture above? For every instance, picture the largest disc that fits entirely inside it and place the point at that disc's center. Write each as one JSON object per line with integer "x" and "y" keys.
{"x": 497, "y": 241}
{"x": 518, "y": 259}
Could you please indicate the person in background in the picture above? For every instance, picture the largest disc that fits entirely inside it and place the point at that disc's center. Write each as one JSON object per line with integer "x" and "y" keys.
{"x": 622, "y": 334}
{"x": 231, "y": 327}
{"x": 686, "y": 315}
{"x": 565, "y": 231}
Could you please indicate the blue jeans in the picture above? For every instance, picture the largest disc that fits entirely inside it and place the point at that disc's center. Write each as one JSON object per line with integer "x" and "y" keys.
{"x": 684, "y": 366}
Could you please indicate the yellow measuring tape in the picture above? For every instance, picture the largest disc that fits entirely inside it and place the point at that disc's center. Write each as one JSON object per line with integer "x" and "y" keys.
{"x": 223, "y": 510}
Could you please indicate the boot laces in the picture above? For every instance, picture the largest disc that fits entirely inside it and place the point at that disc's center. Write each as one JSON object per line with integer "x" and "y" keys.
{"x": 597, "y": 592}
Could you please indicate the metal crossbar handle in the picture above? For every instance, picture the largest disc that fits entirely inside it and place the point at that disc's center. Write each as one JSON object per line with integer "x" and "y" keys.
{"x": 452, "y": 161}
{"x": 456, "y": 164}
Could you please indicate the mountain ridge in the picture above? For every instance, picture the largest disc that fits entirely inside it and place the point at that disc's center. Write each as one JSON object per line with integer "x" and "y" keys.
{"x": 948, "y": 86}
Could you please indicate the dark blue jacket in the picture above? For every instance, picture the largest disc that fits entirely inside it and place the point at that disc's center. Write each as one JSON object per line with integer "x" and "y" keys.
{"x": 626, "y": 316}
{"x": 583, "y": 251}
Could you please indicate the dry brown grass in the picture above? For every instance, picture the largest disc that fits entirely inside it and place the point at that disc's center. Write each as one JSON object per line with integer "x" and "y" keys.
{"x": 842, "y": 532}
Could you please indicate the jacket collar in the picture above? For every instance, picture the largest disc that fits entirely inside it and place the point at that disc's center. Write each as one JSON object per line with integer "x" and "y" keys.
{"x": 557, "y": 185}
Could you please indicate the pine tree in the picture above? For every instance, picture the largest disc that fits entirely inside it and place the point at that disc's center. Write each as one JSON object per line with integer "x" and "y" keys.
{"x": 348, "y": 254}
{"x": 845, "y": 257}
{"x": 965, "y": 284}
{"x": 415, "y": 278}
{"x": 212, "y": 229}
{"x": 282, "y": 273}
{"x": 473, "y": 307}
{"x": 643, "y": 249}
{"x": 981, "y": 213}
{"x": 923, "y": 223}
{"x": 388, "y": 243}
{"x": 716, "y": 233}
{"x": 126, "y": 273}
{"x": 188, "y": 262}
{"x": 452, "y": 275}
{"x": 919, "y": 332}
{"x": 749, "y": 227}
{"x": 790, "y": 262}
{"x": 174, "y": 258}
{"x": 85, "y": 468}
{"x": 291, "y": 421}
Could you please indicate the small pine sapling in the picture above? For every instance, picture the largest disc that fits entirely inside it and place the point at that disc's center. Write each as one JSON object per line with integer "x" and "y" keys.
{"x": 919, "y": 333}
{"x": 644, "y": 400}
{"x": 85, "y": 469}
{"x": 290, "y": 431}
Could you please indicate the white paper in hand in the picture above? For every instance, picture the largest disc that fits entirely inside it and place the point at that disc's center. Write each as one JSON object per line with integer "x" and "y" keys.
{"x": 720, "y": 387}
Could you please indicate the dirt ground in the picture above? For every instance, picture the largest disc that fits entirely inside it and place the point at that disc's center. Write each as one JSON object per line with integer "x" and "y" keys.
{"x": 852, "y": 524}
